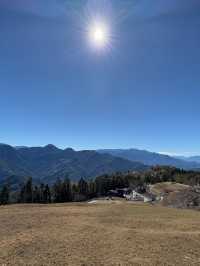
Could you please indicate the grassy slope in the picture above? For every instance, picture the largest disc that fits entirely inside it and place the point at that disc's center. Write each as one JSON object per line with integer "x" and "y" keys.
{"x": 167, "y": 187}
{"x": 102, "y": 234}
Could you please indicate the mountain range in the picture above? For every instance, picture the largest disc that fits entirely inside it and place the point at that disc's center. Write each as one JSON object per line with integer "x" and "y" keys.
{"x": 152, "y": 158}
{"x": 189, "y": 159}
{"x": 49, "y": 162}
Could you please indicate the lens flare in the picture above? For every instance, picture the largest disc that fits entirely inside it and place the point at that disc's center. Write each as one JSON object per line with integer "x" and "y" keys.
{"x": 97, "y": 24}
{"x": 98, "y": 35}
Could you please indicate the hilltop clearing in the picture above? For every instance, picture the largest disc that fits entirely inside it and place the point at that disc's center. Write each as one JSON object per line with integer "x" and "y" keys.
{"x": 177, "y": 195}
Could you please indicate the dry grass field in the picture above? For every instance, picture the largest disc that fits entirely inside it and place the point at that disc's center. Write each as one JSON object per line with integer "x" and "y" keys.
{"x": 98, "y": 234}
{"x": 167, "y": 187}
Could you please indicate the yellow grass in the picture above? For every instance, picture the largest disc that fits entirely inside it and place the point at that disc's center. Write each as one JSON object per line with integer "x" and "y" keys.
{"x": 98, "y": 234}
{"x": 167, "y": 187}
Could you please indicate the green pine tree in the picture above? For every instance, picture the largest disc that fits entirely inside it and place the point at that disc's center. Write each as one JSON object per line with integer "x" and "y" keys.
{"x": 4, "y": 195}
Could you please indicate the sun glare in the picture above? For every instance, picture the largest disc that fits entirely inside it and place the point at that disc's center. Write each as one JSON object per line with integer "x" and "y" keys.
{"x": 98, "y": 35}
{"x": 98, "y": 25}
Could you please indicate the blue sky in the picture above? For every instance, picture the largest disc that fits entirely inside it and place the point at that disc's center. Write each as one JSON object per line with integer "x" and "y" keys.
{"x": 143, "y": 92}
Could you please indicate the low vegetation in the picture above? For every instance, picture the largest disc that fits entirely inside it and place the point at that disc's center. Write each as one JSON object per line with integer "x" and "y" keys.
{"x": 123, "y": 233}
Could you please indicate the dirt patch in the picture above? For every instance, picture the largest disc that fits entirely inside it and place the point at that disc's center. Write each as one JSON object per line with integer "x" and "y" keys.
{"x": 188, "y": 198}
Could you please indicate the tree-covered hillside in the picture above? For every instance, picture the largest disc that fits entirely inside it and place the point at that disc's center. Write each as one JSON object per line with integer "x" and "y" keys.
{"x": 49, "y": 162}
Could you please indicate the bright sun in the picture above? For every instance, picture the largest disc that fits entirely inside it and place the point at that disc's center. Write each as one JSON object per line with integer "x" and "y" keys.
{"x": 98, "y": 35}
